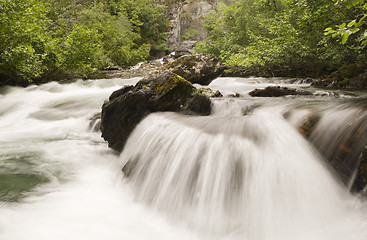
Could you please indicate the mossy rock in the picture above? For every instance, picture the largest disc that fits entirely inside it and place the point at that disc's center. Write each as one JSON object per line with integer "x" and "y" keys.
{"x": 163, "y": 91}
{"x": 200, "y": 68}
{"x": 348, "y": 76}
{"x": 348, "y": 71}
{"x": 210, "y": 93}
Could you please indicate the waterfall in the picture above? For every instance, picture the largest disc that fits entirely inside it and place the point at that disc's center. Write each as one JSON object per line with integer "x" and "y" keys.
{"x": 253, "y": 176}
{"x": 243, "y": 173}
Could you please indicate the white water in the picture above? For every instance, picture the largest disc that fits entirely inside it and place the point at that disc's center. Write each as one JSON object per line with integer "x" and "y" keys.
{"x": 279, "y": 188}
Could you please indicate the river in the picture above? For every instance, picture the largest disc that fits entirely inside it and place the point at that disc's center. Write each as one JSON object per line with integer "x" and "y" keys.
{"x": 244, "y": 172}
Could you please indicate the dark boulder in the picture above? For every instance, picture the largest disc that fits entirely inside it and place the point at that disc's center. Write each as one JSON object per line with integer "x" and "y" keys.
{"x": 164, "y": 91}
{"x": 277, "y": 92}
{"x": 200, "y": 68}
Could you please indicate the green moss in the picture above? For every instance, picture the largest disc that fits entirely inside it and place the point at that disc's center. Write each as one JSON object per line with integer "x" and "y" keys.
{"x": 186, "y": 15}
{"x": 182, "y": 62}
{"x": 170, "y": 82}
{"x": 344, "y": 82}
{"x": 344, "y": 73}
{"x": 190, "y": 33}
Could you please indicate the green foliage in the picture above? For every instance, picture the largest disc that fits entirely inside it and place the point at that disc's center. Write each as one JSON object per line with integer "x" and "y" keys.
{"x": 190, "y": 33}
{"x": 43, "y": 39}
{"x": 148, "y": 20}
{"x": 355, "y": 26}
{"x": 22, "y": 38}
{"x": 285, "y": 33}
{"x": 81, "y": 51}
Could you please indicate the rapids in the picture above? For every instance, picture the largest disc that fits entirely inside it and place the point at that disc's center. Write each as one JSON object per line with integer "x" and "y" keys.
{"x": 242, "y": 173}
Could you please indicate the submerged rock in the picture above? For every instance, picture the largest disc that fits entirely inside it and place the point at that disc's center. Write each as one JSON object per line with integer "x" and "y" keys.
{"x": 210, "y": 93}
{"x": 200, "y": 68}
{"x": 235, "y": 95}
{"x": 304, "y": 121}
{"x": 95, "y": 122}
{"x": 164, "y": 91}
{"x": 277, "y": 92}
{"x": 360, "y": 183}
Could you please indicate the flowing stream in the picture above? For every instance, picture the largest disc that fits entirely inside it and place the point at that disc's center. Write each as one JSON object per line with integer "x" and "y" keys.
{"x": 244, "y": 172}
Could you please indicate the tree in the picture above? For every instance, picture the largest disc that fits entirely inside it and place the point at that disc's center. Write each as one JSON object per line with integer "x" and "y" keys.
{"x": 51, "y": 38}
{"x": 355, "y": 27}
{"x": 286, "y": 34}
{"x": 24, "y": 42}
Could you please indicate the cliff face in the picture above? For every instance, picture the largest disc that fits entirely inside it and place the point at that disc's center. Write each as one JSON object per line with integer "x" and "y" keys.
{"x": 185, "y": 22}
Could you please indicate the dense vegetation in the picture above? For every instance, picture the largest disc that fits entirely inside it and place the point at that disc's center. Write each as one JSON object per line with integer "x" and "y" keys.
{"x": 51, "y": 39}
{"x": 288, "y": 37}
{"x": 46, "y": 39}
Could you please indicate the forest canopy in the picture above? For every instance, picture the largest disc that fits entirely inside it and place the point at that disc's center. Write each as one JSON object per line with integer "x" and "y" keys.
{"x": 297, "y": 36}
{"x": 48, "y": 38}
{"x": 52, "y": 39}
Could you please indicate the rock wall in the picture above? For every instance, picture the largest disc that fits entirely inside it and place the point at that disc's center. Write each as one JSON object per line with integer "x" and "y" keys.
{"x": 185, "y": 17}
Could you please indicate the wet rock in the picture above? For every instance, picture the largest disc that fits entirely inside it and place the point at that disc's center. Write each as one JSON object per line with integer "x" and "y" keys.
{"x": 343, "y": 145}
{"x": 363, "y": 194}
{"x": 325, "y": 94}
{"x": 348, "y": 76}
{"x": 306, "y": 81}
{"x": 200, "y": 68}
{"x": 95, "y": 122}
{"x": 182, "y": 51}
{"x": 323, "y": 83}
{"x": 139, "y": 70}
{"x": 164, "y": 91}
{"x": 248, "y": 110}
{"x": 304, "y": 121}
{"x": 360, "y": 183}
{"x": 277, "y": 92}
{"x": 120, "y": 92}
{"x": 359, "y": 82}
{"x": 235, "y": 95}
{"x": 210, "y": 93}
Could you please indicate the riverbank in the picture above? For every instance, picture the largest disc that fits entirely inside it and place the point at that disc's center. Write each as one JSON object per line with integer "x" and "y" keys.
{"x": 351, "y": 76}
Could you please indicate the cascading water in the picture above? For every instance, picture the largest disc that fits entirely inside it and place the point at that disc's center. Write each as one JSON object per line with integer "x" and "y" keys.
{"x": 242, "y": 173}
{"x": 252, "y": 176}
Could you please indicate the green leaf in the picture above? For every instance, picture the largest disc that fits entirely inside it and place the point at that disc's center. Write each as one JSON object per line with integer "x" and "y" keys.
{"x": 352, "y": 23}
{"x": 360, "y": 22}
{"x": 341, "y": 26}
{"x": 329, "y": 31}
{"x": 345, "y": 36}
{"x": 354, "y": 30}
{"x": 351, "y": 3}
